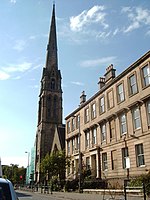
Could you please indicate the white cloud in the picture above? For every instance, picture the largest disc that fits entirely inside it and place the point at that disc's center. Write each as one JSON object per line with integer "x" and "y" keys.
{"x": 148, "y": 33}
{"x": 71, "y": 36}
{"x": 126, "y": 9}
{"x": 77, "y": 83}
{"x": 13, "y": 1}
{"x": 102, "y": 61}
{"x": 4, "y": 75}
{"x": 20, "y": 45}
{"x": 103, "y": 34}
{"x": 95, "y": 15}
{"x": 6, "y": 72}
{"x": 137, "y": 16}
{"x": 37, "y": 66}
{"x": 18, "y": 67}
{"x": 116, "y": 31}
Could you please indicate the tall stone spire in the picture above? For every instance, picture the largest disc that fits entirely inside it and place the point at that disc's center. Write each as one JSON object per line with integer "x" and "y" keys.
{"x": 51, "y": 60}
{"x": 50, "y": 103}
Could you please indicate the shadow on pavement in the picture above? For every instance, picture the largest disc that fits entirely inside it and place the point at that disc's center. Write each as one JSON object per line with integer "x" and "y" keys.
{"x": 19, "y": 194}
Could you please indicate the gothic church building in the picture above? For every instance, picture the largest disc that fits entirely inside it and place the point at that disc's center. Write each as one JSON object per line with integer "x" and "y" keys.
{"x": 50, "y": 134}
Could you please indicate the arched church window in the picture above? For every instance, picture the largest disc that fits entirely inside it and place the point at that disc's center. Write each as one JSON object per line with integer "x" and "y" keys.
{"x": 49, "y": 98}
{"x": 55, "y": 114}
{"x": 53, "y": 73}
{"x": 48, "y": 106}
{"x": 53, "y": 84}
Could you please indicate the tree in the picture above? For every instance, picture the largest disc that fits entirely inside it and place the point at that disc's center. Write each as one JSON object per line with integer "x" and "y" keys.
{"x": 53, "y": 166}
{"x": 13, "y": 173}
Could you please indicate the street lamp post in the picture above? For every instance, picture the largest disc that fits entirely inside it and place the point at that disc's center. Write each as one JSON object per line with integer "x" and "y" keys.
{"x": 127, "y": 160}
{"x": 27, "y": 181}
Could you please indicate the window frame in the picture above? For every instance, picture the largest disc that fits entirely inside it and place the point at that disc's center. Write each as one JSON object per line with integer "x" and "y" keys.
{"x": 78, "y": 121}
{"x": 144, "y": 83}
{"x": 73, "y": 145}
{"x": 139, "y": 150}
{"x": 88, "y": 163}
{"x": 113, "y": 160}
{"x": 104, "y": 162}
{"x": 87, "y": 139}
{"x": 122, "y": 123}
{"x": 132, "y": 85}
{"x": 73, "y": 123}
{"x": 86, "y": 115}
{"x": 120, "y": 94}
{"x": 125, "y": 154}
{"x": 148, "y": 111}
{"x": 103, "y": 133}
{"x": 77, "y": 143}
{"x": 101, "y": 106}
{"x": 109, "y": 106}
{"x": 94, "y": 136}
{"x": 112, "y": 128}
{"x": 93, "y": 110}
{"x": 68, "y": 126}
{"x": 135, "y": 118}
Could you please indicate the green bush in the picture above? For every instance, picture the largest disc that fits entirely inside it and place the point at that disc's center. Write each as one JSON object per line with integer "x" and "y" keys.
{"x": 71, "y": 185}
{"x": 94, "y": 184}
{"x": 140, "y": 180}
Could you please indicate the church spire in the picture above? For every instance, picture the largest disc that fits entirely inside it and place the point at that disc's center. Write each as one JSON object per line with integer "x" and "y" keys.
{"x": 51, "y": 60}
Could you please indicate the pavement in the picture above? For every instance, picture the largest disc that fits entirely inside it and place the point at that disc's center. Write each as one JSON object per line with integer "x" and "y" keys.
{"x": 93, "y": 196}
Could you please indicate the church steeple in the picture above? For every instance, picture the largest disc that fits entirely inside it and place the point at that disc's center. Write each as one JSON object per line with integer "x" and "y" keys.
{"x": 50, "y": 102}
{"x": 52, "y": 60}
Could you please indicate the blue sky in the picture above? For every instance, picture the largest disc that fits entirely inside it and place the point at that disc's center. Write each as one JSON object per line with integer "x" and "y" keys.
{"x": 91, "y": 35}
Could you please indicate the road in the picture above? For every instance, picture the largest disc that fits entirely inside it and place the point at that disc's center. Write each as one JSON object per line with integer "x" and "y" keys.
{"x": 24, "y": 195}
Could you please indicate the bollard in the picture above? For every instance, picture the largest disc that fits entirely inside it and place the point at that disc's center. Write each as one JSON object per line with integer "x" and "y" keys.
{"x": 144, "y": 191}
{"x": 125, "y": 190}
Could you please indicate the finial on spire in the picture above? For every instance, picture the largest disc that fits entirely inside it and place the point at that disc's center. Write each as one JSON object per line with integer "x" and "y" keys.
{"x": 54, "y": 7}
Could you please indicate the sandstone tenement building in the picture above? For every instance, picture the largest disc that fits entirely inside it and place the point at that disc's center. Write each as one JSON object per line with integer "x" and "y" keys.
{"x": 111, "y": 130}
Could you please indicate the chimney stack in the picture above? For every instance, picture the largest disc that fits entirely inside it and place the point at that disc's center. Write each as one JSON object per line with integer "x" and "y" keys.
{"x": 110, "y": 73}
{"x": 82, "y": 98}
{"x": 101, "y": 82}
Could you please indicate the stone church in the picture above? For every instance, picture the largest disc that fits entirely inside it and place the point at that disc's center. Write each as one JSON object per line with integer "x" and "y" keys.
{"x": 50, "y": 134}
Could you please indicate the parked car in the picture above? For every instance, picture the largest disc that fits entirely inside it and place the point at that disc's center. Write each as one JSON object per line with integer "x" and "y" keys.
{"x": 7, "y": 191}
